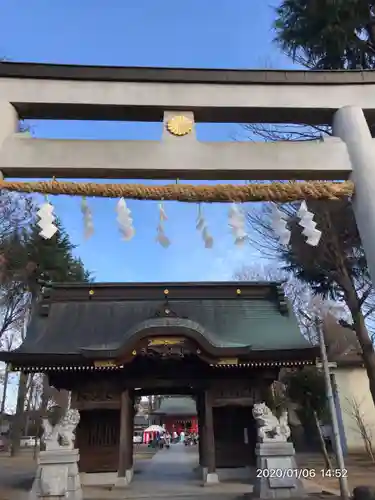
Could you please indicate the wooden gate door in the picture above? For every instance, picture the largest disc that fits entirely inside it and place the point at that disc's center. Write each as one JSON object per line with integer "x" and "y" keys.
{"x": 98, "y": 437}
{"x": 235, "y": 436}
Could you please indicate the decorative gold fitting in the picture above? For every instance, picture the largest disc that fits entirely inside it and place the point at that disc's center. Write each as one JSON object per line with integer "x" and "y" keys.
{"x": 238, "y": 291}
{"x": 179, "y": 125}
{"x": 91, "y": 292}
{"x": 134, "y": 352}
{"x": 104, "y": 364}
{"x": 166, "y": 291}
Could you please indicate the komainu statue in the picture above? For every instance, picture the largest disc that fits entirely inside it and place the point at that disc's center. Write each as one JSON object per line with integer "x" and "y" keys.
{"x": 270, "y": 428}
{"x": 61, "y": 434}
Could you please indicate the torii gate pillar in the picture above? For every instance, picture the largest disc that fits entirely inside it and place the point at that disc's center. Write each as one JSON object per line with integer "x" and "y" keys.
{"x": 350, "y": 125}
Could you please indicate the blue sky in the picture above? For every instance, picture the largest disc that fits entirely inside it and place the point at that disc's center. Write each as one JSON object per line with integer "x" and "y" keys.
{"x": 198, "y": 33}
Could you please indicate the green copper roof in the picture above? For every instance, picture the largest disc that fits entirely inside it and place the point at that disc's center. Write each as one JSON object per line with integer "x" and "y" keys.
{"x": 71, "y": 326}
{"x": 177, "y": 406}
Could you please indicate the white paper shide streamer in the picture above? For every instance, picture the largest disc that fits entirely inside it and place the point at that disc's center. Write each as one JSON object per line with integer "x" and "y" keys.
{"x": 237, "y": 223}
{"x": 161, "y": 237}
{"x": 312, "y": 234}
{"x": 88, "y": 223}
{"x": 124, "y": 220}
{"x": 201, "y": 226}
{"x": 47, "y": 219}
{"x": 279, "y": 225}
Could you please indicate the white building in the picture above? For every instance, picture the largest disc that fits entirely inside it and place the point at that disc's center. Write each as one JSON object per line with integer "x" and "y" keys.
{"x": 355, "y": 407}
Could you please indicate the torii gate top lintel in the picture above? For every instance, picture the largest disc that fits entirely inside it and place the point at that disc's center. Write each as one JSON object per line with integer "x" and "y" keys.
{"x": 53, "y": 91}
{"x": 49, "y": 91}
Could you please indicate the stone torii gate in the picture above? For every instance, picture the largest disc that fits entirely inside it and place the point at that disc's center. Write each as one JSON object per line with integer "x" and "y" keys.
{"x": 345, "y": 100}
{"x": 180, "y": 98}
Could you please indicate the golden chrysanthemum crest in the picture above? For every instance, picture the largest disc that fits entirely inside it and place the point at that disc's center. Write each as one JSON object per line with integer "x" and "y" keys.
{"x": 179, "y": 125}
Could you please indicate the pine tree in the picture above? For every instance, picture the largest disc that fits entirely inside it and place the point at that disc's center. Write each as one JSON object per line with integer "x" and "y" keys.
{"x": 41, "y": 261}
{"x": 53, "y": 259}
{"x": 327, "y": 34}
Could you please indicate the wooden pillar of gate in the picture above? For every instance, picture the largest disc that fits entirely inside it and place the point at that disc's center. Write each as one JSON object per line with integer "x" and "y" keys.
{"x": 201, "y": 442}
{"x": 209, "y": 440}
{"x": 125, "y": 466}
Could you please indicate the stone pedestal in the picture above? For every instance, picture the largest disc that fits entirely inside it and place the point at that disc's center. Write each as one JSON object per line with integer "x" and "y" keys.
{"x": 276, "y": 471}
{"x": 125, "y": 480}
{"x": 57, "y": 476}
{"x": 364, "y": 493}
{"x": 209, "y": 478}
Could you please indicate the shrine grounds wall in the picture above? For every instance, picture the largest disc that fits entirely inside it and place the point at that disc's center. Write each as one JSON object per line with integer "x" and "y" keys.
{"x": 354, "y": 396}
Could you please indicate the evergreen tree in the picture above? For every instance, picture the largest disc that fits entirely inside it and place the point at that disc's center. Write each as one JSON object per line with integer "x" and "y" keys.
{"x": 30, "y": 259}
{"x": 35, "y": 261}
{"x": 328, "y": 34}
{"x": 306, "y": 387}
{"x": 53, "y": 259}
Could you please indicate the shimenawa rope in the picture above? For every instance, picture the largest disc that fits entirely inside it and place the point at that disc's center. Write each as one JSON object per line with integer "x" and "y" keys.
{"x": 220, "y": 193}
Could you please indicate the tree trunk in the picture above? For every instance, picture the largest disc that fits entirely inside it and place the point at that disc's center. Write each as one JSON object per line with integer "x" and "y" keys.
{"x": 46, "y": 391}
{"x": 37, "y": 433}
{"x": 323, "y": 447}
{"x": 19, "y": 418}
{"x": 27, "y": 424}
{"x": 368, "y": 352}
{"x": 30, "y": 392}
{"x": 18, "y": 422}
{"x": 43, "y": 409}
{"x": 5, "y": 388}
